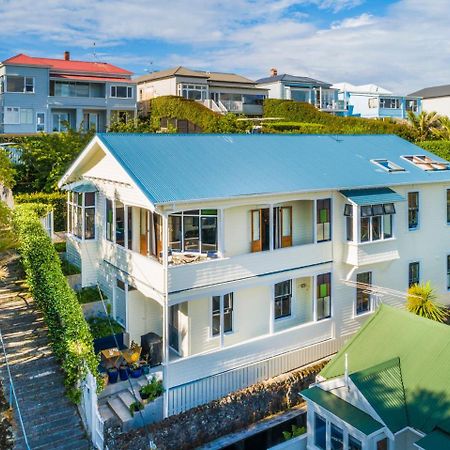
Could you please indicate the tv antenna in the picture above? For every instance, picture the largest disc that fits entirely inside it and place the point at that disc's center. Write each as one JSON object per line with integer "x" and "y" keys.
{"x": 149, "y": 69}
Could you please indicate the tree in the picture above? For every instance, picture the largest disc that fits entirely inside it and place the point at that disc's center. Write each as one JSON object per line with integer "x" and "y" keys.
{"x": 46, "y": 157}
{"x": 425, "y": 124}
{"x": 421, "y": 300}
{"x": 7, "y": 171}
{"x": 6, "y": 183}
{"x": 443, "y": 132}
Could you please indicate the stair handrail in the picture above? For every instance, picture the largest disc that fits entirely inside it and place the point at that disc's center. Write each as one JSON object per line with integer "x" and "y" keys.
{"x": 13, "y": 392}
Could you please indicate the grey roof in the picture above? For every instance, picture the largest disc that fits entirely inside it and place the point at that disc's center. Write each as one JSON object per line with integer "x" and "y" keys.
{"x": 175, "y": 167}
{"x": 433, "y": 91}
{"x": 185, "y": 72}
{"x": 294, "y": 79}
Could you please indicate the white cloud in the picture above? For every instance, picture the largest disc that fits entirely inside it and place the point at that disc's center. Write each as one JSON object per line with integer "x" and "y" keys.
{"x": 404, "y": 49}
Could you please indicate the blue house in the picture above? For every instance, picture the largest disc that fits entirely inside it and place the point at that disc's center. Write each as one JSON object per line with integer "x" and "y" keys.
{"x": 45, "y": 94}
{"x": 374, "y": 102}
{"x": 303, "y": 89}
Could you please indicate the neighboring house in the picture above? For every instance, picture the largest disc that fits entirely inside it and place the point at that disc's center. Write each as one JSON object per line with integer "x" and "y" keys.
{"x": 221, "y": 92}
{"x": 303, "y": 89}
{"x": 234, "y": 248}
{"x": 435, "y": 98}
{"x": 45, "y": 94}
{"x": 372, "y": 101}
{"x": 394, "y": 393}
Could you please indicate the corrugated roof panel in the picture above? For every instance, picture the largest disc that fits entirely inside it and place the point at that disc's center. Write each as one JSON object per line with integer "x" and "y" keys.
{"x": 176, "y": 167}
{"x": 347, "y": 412}
{"x": 437, "y": 440}
{"x": 372, "y": 196}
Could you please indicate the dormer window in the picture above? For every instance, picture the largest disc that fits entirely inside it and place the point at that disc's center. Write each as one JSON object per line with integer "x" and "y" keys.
{"x": 426, "y": 163}
{"x": 387, "y": 165}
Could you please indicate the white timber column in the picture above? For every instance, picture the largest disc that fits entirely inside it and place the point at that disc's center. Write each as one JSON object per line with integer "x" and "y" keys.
{"x": 272, "y": 310}
{"x": 165, "y": 314}
{"x": 271, "y": 227}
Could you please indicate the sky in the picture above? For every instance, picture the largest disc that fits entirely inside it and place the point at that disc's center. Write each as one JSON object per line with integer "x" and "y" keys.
{"x": 401, "y": 45}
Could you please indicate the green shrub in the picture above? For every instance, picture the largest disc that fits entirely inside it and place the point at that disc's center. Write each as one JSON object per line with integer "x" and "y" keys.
{"x": 69, "y": 332}
{"x": 135, "y": 407}
{"x": 439, "y": 148}
{"x": 89, "y": 295}
{"x": 101, "y": 327}
{"x": 295, "y": 431}
{"x": 60, "y": 247}
{"x": 57, "y": 200}
{"x": 152, "y": 390}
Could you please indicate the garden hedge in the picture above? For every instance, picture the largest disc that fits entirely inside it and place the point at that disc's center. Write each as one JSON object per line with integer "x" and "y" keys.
{"x": 69, "y": 332}
{"x": 58, "y": 201}
{"x": 440, "y": 148}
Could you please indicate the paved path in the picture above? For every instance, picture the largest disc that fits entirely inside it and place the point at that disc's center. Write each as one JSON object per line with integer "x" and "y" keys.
{"x": 51, "y": 421}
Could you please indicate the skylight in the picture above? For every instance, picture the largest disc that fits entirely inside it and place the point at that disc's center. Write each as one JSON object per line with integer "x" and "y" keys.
{"x": 387, "y": 165}
{"x": 426, "y": 163}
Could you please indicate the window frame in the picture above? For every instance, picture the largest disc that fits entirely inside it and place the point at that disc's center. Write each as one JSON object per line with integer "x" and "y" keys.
{"x": 282, "y": 298}
{"x": 367, "y": 213}
{"x": 128, "y": 90}
{"x": 326, "y": 280}
{"x": 40, "y": 127}
{"x": 76, "y": 211}
{"x": 25, "y": 84}
{"x": 319, "y": 223}
{"x": 415, "y": 208}
{"x": 448, "y": 272}
{"x": 224, "y": 309}
{"x": 360, "y": 292}
{"x": 411, "y": 275}
{"x": 448, "y": 205}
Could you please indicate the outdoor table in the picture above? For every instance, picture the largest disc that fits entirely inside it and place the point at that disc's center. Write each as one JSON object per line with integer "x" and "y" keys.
{"x": 111, "y": 356}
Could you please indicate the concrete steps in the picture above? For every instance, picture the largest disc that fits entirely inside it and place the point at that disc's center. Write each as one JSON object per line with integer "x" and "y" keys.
{"x": 50, "y": 420}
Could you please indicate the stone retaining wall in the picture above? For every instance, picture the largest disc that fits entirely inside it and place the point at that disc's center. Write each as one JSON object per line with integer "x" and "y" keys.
{"x": 231, "y": 413}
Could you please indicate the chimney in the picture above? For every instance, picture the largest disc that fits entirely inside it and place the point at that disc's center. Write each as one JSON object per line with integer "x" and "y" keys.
{"x": 67, "y": 56}
{"x": 273, "y": 72}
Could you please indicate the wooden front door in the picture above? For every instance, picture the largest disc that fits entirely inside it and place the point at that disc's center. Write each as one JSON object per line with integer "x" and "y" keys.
{"x": 260, "y": 230}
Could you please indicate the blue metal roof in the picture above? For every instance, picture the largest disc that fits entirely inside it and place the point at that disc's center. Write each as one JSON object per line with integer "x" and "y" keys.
{"x": 372, "y": 196}
{"x": 175, "y": 167}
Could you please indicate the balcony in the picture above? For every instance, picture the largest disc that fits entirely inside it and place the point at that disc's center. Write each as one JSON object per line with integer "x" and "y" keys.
{"x": 215, "y": 271}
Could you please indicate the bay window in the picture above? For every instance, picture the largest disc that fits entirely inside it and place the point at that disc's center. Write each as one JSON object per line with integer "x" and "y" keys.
{"x": 375, "y": 223}
{"x": 193, "y": 231}
{"x": 81, "y": 214}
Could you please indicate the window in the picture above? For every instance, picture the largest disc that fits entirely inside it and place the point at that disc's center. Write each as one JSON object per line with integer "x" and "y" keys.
{"x": 363, "y": 294}
{"x": 348, "y": 213}
{"x": 26, "y": 116}
{"x": 109, "y": 220}
{"x": 76, "y": 89}
{"x": 129, "y": 213}
{"x": 448, "y": 272}
{"x": 353, "y": 443}
{"x": 227, "y": 300}
{"x": 323, "y": 296}
{"x": 320, "y": 432}
{"x": 282, "y": 225}
{"x": 412, "y": 105}
{"x": 390, "y": 103}
{"x": 81, "y": 214}
{"x": 323, "y": 220}
{"x": 150, "y": 233}
{"x": 376, "y": 222}
{"x": 387, "y": 165}
{"x": 426, "y": 163}
{"x": 122, "y": 91}
{"x": 383, "y": 444}
{"x": 413, "y": 210}
{"x": 61, "y": 121}
{"x": 193, "y": 91}
{"x": 336, "y": 438}
{"x": 11, "y": 116}
{"x": 120, "y": 223}
{"x": 448, "y": 206}
{"x": 413, "y": 273}
{"x": 40, "y": 122}
{"x": 193, "y": 231}
{"x": 19, "y": 84}
{"x": 283, "y": 296}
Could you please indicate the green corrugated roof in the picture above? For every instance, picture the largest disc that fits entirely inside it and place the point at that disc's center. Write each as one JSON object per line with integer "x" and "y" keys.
{"x": 372, "y": 196}
{"x": 423, "y": 349}
{"x": 437, "y": 440}
{"x": 382, "y": 384}
{"x": 347, "y": 412}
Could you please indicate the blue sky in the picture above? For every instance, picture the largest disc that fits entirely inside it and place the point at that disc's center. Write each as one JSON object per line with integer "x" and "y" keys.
{"x": 401, "y": 45}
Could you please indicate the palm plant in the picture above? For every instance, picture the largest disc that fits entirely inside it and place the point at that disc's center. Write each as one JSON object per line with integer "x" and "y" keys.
{"x": 443, "y": 132}
{"x": 424, "y": 124}
{"x": 421, "y": 300}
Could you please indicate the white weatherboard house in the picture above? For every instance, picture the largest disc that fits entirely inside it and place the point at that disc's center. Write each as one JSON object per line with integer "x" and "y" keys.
{"x": 240, "y": 250}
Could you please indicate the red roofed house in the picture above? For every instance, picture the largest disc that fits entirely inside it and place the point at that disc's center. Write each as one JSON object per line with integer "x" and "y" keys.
{"x": 46, "y": 94}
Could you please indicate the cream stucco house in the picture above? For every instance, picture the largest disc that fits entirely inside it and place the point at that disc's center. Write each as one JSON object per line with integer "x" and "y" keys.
{"x": 242, "y": 251}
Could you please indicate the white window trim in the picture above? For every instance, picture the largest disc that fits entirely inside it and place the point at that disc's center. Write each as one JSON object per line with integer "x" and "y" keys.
{"x": 24, "y": 84}
{"x": 419, "y": 221}
{"x": 371, "y": 241}
{"x": 9, "y": 122}
{"x": 37, "y": 123}
{"x": 127, "y": 87}
{"x": 371, "y": 299}
{"x": 222, "y": 333}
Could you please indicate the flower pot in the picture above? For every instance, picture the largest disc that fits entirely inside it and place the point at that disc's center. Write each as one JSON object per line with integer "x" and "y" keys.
{"x": 145, "y": 368}
{"x": 143, "y": 395}
{"x": 123, "y": 373}
{"x": 136, "y": 372}
{"x": 113, "y": 375}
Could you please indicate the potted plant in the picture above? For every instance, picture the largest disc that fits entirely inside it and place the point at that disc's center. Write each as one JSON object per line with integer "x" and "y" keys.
{"x": 136, "y": 406}
{"x": 151, "y": 390}
{"x": 123, "y": 372}
{"x": 113, "y": 375}
{"x": 145, "y": 366}
{"x": 135, "y": 370}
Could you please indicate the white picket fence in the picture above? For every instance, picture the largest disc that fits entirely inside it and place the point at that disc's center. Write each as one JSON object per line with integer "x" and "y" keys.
{"x": 90, "y": 413}
{"x": 47, "y": 223}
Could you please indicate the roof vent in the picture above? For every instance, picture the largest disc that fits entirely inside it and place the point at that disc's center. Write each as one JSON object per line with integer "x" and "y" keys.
{"x": 66, "y": 56}
{"x": 273, "y": 72}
